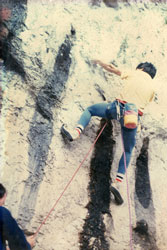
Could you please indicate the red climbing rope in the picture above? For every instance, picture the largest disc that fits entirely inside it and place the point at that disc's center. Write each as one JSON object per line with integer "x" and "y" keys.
{"x": 66, "y": 187}
{"x": 128, "y": 196}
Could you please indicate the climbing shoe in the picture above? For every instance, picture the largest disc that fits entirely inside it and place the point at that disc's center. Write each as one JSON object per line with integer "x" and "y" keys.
{"x": 72, "y": 134}
{"x": 116, "y": 193}
{"x": 66, "y": 134}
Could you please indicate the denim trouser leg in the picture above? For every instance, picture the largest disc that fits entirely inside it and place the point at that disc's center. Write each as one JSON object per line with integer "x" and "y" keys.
{"x": 129, "y": 140}
{"x": 108, "y": 110}
{"x": 99, "y": 110}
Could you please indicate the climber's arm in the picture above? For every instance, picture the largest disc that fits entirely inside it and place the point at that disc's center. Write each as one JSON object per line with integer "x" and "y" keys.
{"x": 109, "y": 67}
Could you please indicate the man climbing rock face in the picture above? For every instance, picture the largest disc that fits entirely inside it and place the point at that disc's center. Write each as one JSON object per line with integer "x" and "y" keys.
{"x": 127, "y": 108}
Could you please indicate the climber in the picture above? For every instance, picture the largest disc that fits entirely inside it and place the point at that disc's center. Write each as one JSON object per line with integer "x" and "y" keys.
{"x": 10, "y": 233}
{"x": 127, "y": 108}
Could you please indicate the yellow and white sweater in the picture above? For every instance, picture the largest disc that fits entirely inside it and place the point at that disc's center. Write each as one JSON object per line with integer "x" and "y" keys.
{"x": 138, "y": 88}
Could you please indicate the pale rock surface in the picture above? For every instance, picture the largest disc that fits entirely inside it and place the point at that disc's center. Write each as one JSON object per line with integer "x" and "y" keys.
{"x": 36, "y": 164}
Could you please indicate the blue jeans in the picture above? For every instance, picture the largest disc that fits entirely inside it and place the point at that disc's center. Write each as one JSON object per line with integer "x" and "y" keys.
{"x": 109, "y": 111}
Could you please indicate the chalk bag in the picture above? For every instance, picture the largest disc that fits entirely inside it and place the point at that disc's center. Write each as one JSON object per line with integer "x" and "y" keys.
{"x": 130, "y": 115}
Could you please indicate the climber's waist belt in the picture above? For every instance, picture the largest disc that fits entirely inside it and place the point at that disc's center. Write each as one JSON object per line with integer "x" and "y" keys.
{"x": 123, "y": 102}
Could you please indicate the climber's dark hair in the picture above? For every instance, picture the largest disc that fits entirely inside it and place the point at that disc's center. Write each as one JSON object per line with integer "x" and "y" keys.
{"x": 149, "y": 68}
{"x": 2, "y": 191}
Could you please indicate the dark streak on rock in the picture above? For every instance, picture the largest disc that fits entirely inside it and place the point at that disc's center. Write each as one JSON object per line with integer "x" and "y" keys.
{"x": 111, "y": 3}
{"x": 142, "y": 184}
{"x": 100, "y": 91}
{"x": 123, "y": 50}
{"x": 141, "y": 227}
{"x": 93, "y": 234}
{"x": 55, "y": 85}
{"x": 144, "y": 233}
{"x": 143, "y": 236}
{"x": 12, "y": 18}
{"x": 41, "y": 130}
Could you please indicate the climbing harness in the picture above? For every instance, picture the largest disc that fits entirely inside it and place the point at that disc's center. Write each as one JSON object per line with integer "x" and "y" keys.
{"x": 68, "y": 184}
{"x": 128, "y": 196}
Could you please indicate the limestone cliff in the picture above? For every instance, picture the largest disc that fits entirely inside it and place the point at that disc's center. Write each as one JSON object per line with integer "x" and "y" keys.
{"x": 47, "y": 79}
